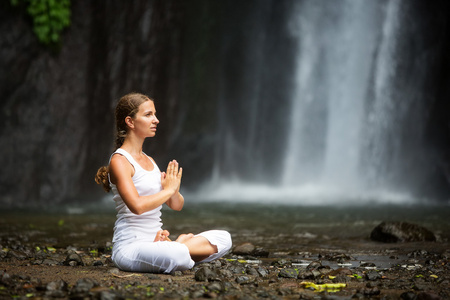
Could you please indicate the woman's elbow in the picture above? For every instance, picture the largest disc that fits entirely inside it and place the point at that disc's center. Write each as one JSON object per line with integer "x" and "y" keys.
{"x": 177, "y": 208}
{"x": 136, "y": 209}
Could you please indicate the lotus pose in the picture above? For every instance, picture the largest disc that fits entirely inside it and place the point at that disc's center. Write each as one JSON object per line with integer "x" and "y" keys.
{"x": 140, "y": 189}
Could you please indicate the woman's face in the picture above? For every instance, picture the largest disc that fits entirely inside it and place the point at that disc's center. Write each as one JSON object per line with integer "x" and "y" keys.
{"x": 145, "y": 121}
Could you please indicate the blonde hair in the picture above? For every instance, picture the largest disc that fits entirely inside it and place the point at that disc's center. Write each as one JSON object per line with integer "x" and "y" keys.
{"x": 127, "y": 106}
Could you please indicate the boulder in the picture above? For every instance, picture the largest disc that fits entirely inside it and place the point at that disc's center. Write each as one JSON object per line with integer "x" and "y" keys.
{"x": 244, "y": 249}
{"x": 394, "y": 232}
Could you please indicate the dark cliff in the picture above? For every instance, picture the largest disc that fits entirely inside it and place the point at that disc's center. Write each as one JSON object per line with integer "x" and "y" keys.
{"x": 57, "y": 106}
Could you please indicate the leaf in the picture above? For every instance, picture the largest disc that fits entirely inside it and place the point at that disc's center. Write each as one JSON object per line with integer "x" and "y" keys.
{"x": 329, "y": 287}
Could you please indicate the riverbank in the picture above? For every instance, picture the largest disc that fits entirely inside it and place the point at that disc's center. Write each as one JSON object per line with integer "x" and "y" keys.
{"x": 68, "y": 255}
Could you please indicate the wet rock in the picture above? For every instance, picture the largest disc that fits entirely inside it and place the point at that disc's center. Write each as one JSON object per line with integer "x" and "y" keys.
{"x": 244, "y": 249}
{"x": 109, "y": 295}
{"x": 341, "y": 279}
{"x": 57, "y": 289}
{"x": 314, "y": 265}
{"x": 324, "y": 270}
{"x": 19, "y": 255}
{"x": 73, "y": 259}
{"x": 83, "y": 286}
{"x": 97, "y": 263}
{"x": 393, "y": 232}
{"x": 418, "y": 253}
{"x": 237, "y": 269}
{"x": 340, "y": 258}
{"x": 114, "y": 271}
{"x": 250, "y": 251}
{"x": 244, "y": 279}
{"x": 288, "y": 273}
{"x": 373, "y": 275}
{"x": 367, "y": 265}
{"x": 3, "y": 253}
{"x": 307, "y": 274}
{"x": 261, "y": 252}
{"x": 281, "y": 263}
{"x": 4, "y": 276}
{"x": 50, "y": 262}
{"x": 263, "y": 272}
{"x": 215, "y": 287}
{"x": 340, "y": 271}
{"x": 251, "y": 271}
{"x": 206, "y": 274}
{"x": 224, "y": 273}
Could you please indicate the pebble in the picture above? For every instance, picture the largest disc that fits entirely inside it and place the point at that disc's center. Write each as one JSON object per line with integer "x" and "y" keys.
{"x": 73, "y": 259}
{"x": 373, "y": 275}
{"x": 288, "y": 273}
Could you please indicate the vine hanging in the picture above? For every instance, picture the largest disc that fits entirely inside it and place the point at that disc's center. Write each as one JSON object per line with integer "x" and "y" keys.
{"x": 49, "y": 17}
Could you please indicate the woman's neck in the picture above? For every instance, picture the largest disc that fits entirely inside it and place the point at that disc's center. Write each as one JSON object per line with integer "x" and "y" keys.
{"x": 132, "y": 145}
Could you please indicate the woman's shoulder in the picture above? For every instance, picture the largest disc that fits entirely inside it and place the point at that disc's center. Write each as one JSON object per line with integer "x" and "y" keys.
{"x": 120, "y": 159}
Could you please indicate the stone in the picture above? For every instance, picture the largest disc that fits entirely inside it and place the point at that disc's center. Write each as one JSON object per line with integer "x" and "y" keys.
{"x": 261, "y": 252}
{"x": 244, "y": 249}
{"x": 83, "y": 285}
{"x": 72, "y": 259}
{"x": 314, "y": 265}
{"x": 394, "y": 232}
{"x": 206, "y": 274}
{"x": 373, "y": 275}
{"x": 59, "y": 285}
{"x": 243, "y": 279}
{"x": 288, "y": 273}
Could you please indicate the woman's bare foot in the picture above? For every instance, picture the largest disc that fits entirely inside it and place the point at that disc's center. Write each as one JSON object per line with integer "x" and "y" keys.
{"x": 184, "y": 237}
{"x": 162, "y": 235}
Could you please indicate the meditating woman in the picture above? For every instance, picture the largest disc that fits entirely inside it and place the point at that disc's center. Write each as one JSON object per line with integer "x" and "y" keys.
{"x": 140, "y": 189}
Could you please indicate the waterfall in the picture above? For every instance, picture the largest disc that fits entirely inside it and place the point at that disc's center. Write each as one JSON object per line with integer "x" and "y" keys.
{"x": 337, "y": 50}
{"x": 341, "y": 143}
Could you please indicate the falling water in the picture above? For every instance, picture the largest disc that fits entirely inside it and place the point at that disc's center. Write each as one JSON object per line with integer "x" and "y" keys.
{"x": 338, "y": 43}
{"x": 337, "y": 142}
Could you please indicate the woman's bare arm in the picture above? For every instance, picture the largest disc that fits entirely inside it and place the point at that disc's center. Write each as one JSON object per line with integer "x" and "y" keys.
{"x": 121, "y": 172}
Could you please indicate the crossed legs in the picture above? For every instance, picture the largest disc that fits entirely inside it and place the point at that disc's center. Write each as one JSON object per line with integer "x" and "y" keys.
{"x": 199, "y": 247}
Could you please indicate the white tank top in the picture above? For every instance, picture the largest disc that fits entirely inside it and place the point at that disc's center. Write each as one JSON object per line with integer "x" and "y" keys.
{"x": 130, "y": 226}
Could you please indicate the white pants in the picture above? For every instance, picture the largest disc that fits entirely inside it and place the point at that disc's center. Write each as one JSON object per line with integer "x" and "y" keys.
{"x": 165, "y": 257}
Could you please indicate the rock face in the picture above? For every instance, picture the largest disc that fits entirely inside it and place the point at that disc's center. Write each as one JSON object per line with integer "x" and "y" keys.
{"x": 57, "y": 106}
{"x": 394, "y": 232}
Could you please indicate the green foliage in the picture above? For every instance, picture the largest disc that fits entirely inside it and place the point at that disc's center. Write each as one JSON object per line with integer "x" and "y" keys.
{"x": 50, "y": 17}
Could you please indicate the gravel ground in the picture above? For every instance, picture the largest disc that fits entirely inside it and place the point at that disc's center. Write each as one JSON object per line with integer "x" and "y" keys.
{"x": 68, "y": 257}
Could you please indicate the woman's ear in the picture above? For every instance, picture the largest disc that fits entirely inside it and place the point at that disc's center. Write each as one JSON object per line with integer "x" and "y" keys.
{"x": 129, "y": 122}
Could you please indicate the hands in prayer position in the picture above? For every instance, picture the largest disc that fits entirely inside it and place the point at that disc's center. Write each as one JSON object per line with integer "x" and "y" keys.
{"x": 171, "y": 179}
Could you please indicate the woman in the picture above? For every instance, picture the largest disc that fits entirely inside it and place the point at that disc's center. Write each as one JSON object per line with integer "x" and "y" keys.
{"x": 140, "y": 190}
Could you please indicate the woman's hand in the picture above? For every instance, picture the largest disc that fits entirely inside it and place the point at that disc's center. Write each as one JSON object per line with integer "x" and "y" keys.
{"x": 162, "y": 235}
{"x": 171, "y": 179}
